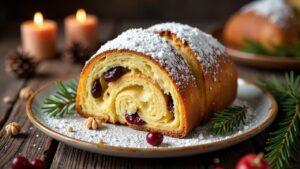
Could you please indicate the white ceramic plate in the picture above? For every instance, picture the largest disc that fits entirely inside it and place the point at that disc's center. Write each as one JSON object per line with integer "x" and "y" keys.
{"x": 123, "y": 141}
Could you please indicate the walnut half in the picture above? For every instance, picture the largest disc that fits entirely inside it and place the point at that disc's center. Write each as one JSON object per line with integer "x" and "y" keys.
{"x": 92, "y": 123}
{"x": 12, "y": 129}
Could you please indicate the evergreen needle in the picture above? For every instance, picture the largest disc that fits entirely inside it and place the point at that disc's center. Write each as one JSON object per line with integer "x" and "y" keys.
{"x": 284, "y": 142}
{"x": 229, "y": 119}
{"x": 63, "y": 101}
{"x": 292, "y": 50}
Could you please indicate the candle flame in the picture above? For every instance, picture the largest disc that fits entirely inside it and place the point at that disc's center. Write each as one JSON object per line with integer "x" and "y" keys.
{"x": 80, "y": 15}
{"x": 38, "y": 18}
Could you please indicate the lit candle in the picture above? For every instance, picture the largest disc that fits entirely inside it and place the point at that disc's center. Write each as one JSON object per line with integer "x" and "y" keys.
{"x": 82, "y": 28}
{"x": 39, "y": 37}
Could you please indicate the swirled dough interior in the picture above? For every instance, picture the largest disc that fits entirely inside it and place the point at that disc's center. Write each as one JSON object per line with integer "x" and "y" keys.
{"x": 154, "y": 92}
{"x": 133, "y": 92}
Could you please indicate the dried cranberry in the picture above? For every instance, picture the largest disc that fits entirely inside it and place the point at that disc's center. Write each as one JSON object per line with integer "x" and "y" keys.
{"x": 113, "y": 74}
{"x": 154, "y": 138}
{"x": 37, "y": 164}
{"x": 96, "y": 89}
{"x": 129, "y": 118}
{"x": 134, "y": 119}
{"x": 20, "y": 162}
{"x": 139, "y": 121}
{"x": 170, "y": 103}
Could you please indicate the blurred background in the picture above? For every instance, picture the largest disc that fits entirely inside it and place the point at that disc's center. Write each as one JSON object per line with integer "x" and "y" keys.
{"x": 172, "y": 10}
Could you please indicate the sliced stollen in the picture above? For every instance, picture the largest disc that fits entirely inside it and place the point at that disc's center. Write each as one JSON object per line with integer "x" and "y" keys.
{"x": 144, "y": 83}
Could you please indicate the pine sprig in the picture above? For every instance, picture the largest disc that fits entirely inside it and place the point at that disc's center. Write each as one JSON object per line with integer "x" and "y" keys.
{"x": 292, "y": 50}
{"x": 283, "y": 143}
{"x": 229, "y": 119}
{"x": 63, "y": 101}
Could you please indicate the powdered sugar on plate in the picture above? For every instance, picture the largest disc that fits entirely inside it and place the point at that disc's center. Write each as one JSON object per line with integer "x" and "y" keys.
{"x": 278, "y": 11}
{"x": 207, "y": 48}
{"x": 155, "y": 47}
{"x": 123, "y": 136}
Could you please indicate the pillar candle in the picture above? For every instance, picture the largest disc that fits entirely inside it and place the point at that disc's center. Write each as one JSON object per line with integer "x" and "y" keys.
{"x": 82, "y": 28}
{"x": 39, "y": 37}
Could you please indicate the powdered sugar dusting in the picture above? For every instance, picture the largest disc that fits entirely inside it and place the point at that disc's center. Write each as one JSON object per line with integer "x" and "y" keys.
{"x": 278, "y": 11}
{"x": 207, "y": 48}
{"x": 123, "y": 136}
{"x": 155, "y": 47}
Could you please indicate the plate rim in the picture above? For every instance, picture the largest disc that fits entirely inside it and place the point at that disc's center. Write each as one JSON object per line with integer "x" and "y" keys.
{"x": 269, "y": 58}
{"x": 206, "y": 147}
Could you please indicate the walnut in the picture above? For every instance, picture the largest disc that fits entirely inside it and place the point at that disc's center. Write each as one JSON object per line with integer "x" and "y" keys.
{"x": 12, "y": 129}
{"x": 7, "y": 100}
{"x": 92, "y": 123}
{"x": 25, "y": 93}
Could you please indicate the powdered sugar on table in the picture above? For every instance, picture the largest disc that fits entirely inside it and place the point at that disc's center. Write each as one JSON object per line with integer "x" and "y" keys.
{"x": 278, "y": 11}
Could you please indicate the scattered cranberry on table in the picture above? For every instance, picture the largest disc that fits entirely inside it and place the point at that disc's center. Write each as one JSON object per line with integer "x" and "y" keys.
{"x": 154, "y": 138}
{"x": 37, "y": 164}
{"x": 20, "y": 162}
{"x": 253, "y": 161}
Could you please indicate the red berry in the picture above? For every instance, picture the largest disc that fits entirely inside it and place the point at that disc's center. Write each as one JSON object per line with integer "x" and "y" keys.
{"x": 113, "y": 74}
{"x": 154, "y": 138}
{"x": 37, "y": 164}
{"x": 20, "y": 162}
{"x": 253, "y": 161}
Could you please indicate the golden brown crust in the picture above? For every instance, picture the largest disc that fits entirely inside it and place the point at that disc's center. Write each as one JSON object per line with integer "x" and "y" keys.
{"x": 188, "y": 98}
{"x": 218, "y": 86}
{"x": 221, "y": 90}
{"x": 249, "y": 25}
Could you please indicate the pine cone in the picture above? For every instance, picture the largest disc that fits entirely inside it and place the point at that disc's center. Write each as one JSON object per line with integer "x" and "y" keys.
{"x": 20, "y": 64}
{"x": 76, "y": 53}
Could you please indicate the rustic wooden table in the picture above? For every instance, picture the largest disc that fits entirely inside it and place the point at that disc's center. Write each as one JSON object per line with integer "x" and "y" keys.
{"x": 34, "y": 144}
